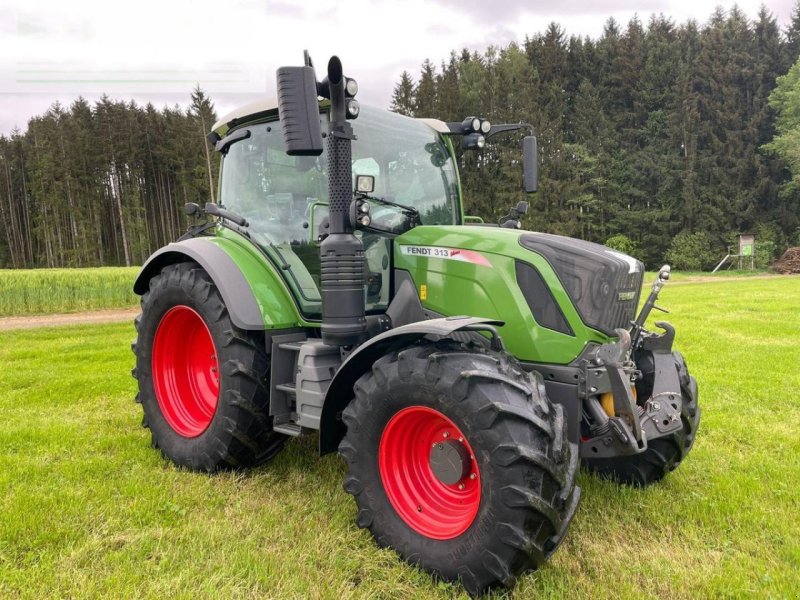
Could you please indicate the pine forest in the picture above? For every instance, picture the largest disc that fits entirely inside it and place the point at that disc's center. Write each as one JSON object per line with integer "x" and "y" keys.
{"x": 660, "y": 139}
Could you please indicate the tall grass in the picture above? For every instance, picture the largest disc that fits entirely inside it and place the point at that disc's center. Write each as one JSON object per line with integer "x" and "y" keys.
{"x": 42, "y": 291}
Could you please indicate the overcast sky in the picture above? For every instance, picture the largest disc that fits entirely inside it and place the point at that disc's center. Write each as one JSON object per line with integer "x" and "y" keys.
{"x": 156, "y": 50}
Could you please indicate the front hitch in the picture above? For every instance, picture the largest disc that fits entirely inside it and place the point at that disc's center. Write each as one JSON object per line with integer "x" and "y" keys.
{"x": 614, "y": 357}
{"x": 610, "y": 372}
{"x": 663, "y": 407}
{"x": 632, "y": 425}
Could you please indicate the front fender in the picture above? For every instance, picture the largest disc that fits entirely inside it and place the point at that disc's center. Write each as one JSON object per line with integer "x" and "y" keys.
{"x": 237, "y": 274}
{"x": 340, "y": 391}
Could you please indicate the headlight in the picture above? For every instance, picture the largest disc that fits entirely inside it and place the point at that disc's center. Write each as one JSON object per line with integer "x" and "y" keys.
{"x": 352, "y": 109}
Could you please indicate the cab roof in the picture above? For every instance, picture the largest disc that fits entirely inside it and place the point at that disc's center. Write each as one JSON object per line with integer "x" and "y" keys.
{"x": 268, "y": 107}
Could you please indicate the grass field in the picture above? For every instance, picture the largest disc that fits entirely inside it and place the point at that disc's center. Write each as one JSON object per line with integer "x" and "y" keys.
{"x": 42, "y": 291}
{"x": 88, "y": 509}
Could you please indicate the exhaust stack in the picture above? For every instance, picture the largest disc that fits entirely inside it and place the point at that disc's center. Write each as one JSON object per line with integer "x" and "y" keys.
{"x": 341, "y": 252}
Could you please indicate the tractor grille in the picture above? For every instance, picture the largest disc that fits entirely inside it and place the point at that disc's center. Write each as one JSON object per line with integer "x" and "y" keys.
{"x": 604, "y": 285}
{"x": 622, "y": 312}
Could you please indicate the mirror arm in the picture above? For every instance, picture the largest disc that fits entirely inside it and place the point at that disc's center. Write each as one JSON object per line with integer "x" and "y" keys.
{"x": 223, "y": 144}
{"x": 506, "y": 128}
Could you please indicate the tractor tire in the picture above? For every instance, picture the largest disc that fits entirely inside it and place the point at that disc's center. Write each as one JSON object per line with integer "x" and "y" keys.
{"x": 203, "y": 382}
{"x": 459, "y": 462}
{"x": 663, "y": 455}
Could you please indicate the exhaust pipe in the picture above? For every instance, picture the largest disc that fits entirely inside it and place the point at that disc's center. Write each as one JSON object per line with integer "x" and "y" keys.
{"x": 341, "y": 252}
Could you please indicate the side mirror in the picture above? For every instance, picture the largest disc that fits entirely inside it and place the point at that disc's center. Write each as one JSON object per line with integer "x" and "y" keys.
{"x": 299, "y": 111}
{"x": 530, "y": 163}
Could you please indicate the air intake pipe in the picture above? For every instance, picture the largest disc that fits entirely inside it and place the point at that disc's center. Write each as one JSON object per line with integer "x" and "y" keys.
{"x": 341, "y": 252}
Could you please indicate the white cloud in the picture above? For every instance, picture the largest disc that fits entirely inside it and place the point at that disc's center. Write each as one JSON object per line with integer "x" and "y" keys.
{"x": 154, "y": 49}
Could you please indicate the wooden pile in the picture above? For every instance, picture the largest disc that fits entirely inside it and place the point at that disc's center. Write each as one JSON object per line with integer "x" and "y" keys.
{"x": 788, "y": 263}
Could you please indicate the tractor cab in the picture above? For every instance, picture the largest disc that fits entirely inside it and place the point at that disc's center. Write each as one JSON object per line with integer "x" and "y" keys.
{"x": 284, "y": 198}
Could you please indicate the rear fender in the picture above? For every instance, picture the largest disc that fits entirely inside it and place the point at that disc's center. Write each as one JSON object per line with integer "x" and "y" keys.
{"x": 340, "y": 391}
{"x": 272, "y": 309}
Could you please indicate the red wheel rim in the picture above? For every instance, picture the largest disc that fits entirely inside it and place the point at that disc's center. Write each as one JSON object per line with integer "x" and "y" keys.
{"x": 428, "y": 505}
{"x": 185, "y": 371}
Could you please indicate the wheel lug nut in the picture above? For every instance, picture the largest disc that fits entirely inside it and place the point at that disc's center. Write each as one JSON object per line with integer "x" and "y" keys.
{"x": 461, "y": 439}
{"x": 472, "y": 476}
{"x": 446, "y": 434}
{"x": 461, "y": 486}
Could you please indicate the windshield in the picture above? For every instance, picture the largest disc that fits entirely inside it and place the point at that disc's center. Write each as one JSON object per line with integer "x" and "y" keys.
{"x": 410, "y": 162}
{"x": 285, "y": 197}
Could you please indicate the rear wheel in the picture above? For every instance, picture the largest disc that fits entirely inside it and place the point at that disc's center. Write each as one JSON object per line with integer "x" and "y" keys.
{"x": 202, "y": 381}
{"x": 459, "y": 462}
{"x": 664, "y": 454}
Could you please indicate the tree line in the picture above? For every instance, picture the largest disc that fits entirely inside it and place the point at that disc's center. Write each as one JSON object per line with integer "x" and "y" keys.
{"x": 650, "y": 135}
{"x": 102, "y": 184}
{"x": 664, "y": 140}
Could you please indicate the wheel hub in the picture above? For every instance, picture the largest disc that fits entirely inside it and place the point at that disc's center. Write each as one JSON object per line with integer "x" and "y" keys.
{"x": 449, "y": 461}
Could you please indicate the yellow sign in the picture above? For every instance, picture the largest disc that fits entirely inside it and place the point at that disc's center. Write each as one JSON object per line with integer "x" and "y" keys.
{"x": 423, "y": 292}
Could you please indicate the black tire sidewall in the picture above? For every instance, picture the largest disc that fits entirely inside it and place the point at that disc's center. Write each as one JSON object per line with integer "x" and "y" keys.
{"x": 167, "y": 294}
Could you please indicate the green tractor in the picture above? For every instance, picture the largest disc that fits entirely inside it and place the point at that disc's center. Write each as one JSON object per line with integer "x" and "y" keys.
{"x": 463, "y": 371}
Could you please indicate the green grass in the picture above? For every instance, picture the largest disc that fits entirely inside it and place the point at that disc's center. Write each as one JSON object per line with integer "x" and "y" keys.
{"x": 88, "y": 509}
{"x": 43, "y": 291}
{"x": 707, "y": 275}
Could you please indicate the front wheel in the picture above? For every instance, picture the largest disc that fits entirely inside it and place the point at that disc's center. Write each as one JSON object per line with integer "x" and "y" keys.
{"x": 459, "y": 462}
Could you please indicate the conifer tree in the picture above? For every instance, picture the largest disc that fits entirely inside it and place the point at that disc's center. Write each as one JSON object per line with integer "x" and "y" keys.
{"x": 403, "y": 100}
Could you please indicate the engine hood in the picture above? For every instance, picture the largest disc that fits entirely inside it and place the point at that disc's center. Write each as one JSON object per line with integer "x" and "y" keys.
{"x": 603, "y": 284}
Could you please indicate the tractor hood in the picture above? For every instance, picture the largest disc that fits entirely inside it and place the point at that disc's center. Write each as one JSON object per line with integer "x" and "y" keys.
{"x": 603, "y": 284}
{"x": 466, "y": 269}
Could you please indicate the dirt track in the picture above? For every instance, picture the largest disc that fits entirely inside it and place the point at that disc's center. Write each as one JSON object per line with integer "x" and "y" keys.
{"x": 95, "y": 316}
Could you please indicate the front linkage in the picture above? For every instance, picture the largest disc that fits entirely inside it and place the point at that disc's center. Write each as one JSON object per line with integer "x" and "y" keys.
{"x": 639, "y": 402}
